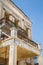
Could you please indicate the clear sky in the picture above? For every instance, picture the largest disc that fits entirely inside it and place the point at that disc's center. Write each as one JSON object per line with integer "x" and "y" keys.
{"x": 34, "y": 10}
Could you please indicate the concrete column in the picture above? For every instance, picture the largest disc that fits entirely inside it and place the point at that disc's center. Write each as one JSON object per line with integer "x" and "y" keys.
{"x": 13, "y": 55}
{"x": 13, "y": 31}
{"x": 40, "y": 60}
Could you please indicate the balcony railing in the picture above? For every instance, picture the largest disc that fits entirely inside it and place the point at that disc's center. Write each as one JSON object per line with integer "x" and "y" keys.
{"x": 21, "y": 32}
{"x": 23, "y": 36}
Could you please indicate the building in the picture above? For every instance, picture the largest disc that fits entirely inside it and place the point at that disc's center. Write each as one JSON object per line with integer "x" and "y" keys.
{"x": 16, "y": 44}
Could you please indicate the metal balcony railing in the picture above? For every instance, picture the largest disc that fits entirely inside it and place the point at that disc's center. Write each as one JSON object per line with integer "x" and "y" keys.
{"x": 21, "y": 32}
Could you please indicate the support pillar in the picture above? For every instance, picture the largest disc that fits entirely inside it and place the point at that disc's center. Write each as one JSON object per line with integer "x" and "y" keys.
{"x": 13, "y": 49}
{"x": 13, "y": 54}
{"x": 13, "y": 31}
{"x": 40, "y": 60}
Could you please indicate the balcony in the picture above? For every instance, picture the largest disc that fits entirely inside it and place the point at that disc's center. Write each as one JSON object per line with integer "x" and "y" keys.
{"x": 21, "y": 32}
{"x": 23, "y": 47}
{"x": 22, "y": 35}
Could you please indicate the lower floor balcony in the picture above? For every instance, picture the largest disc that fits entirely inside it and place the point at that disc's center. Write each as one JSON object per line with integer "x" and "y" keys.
{"x": 14, "y": 51}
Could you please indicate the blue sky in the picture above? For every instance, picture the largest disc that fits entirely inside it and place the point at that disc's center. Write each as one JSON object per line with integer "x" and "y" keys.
{"x": 34, "y": 10}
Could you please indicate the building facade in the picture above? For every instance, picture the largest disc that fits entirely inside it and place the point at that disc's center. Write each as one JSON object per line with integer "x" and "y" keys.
{"x": 16, "y": 44}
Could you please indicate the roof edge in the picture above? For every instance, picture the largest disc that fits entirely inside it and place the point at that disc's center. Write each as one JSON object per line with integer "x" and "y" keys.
{"x": 21, "y": 11}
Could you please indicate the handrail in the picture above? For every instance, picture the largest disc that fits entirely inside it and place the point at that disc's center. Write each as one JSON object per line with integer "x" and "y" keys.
{"x": 22, "y": 41}
{"x": 27, "y": 39}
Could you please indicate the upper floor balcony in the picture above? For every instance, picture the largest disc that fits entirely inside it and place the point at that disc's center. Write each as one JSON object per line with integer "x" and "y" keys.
{"x": 24, "y": 49}
{"x": 21, "y": 33}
